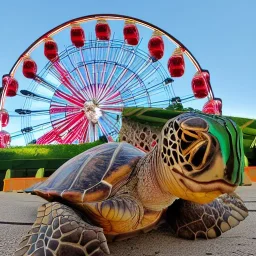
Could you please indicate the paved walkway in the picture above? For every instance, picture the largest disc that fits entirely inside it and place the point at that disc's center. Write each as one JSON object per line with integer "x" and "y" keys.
{"x": 18, "y": 211}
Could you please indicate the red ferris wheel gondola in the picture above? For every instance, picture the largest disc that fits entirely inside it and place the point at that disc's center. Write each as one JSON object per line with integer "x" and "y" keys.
{"x": 5, "y": 139}
{"x": 213, "y": 107}
{"x": 11, "y": 85}
{"x": 200, "y": 84}
{"x": 29, "y": 68}
{"x": 4, "y": 117}
{"x": 176, "y": 63}
{"x": 50, "y": 49}
{"x": 131, "y": 33}
{"x": 156, "y": 46}
{"x": 77, "y": 36}
{"x": 102, "y": 30}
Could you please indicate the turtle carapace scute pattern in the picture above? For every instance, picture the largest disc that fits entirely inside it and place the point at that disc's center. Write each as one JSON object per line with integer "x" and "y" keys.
{"x": 115, "y": 191}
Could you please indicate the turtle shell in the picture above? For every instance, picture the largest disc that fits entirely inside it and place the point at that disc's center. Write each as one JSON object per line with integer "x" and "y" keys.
{"x": 92, "y": 176}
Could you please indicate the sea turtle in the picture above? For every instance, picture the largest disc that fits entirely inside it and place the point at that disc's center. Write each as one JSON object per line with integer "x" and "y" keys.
{"x": 115, "y": 190}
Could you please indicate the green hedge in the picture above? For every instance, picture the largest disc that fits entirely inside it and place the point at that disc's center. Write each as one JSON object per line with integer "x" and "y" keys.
{"x": 249, "y": 131}
{"x": 252, "y": 125}
{"x": 32, "y": 164}
{"x": 45, "y": 151}
{"x": 240, "y": 120}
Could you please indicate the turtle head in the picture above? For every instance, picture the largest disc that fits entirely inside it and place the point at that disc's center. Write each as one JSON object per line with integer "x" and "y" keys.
{"x": 202, "y": 156}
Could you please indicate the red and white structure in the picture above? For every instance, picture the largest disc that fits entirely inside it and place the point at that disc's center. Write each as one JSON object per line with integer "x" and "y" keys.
{"x": 76, "y": 93}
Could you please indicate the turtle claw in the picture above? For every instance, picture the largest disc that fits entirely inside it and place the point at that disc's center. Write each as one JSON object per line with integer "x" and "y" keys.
{"x": 104, "y": 248}
{"x": 103, "y": 242}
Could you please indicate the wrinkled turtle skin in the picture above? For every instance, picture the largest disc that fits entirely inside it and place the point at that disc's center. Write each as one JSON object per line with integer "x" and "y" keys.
{"x": 115, "y": 191}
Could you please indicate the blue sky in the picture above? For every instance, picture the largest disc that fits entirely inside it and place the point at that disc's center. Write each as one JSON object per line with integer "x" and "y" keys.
{"x": 220, "y": 34}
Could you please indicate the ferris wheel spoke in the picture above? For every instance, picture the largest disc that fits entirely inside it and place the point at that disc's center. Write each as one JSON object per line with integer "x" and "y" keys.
{"x": 106, "y": 59}
{"x": 32, "y": 112}
{"x": 55, "y": 109}
{"x": 110, "y": 77}
{"x": 120, "y": 76}
{"x": 95, "y": 73}
{"x": 87, "y": 73}
{"x": 72, "y": 135}
{"x": 110, "y": 121}
{"x": 38, "y": 97}
{"x": 110, "y": 95}
{"x": 188, "y": 98}
{"x": 157, "y": 86}
{"x": 83, "y": 133}
{"x": 68, "y": 122}
{"x": 85, "y": 87}
{"x": 139, "y": 81}
{"x": 46, "y": 84}
{"x": 125, "y": 70}
{"x": 103, "y": 129}
{"x": 66, "y": 78}
{"x": 113, "y": 109}
{"x": 69, "y": 98}
{"x": 47, "y": 138}
{"x": 112, "y": 103}
{"x": 59, "y": 128}
{"x": 117, "y": 102}
{"x": 124, "y": 85}
{"x": 29, "y": 129}
{"x": 82, "y": 79}
{"x": 34, "y": 96}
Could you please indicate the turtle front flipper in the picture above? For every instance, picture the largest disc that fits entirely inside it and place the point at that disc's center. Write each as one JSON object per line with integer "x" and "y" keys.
{"x": 59, "y": 230}
{"x": 191, "y": 220}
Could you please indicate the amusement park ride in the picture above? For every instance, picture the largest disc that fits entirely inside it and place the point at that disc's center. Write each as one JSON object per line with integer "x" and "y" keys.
{"x": 71, "y": 85}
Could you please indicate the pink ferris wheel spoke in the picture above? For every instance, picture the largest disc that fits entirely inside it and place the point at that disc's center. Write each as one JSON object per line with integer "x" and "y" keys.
{"x": 59, "y": 128}
{"x": 69, "y": 98}
{"x": 74, "y": 99}
{"x": 66, "y": 79}
{"x": 112, "y": 99}
{"x": 85, "y": 68}
{"x": 47, "y": 138}
{"x": 55, "y": 109}
{"x": 113, "y": 109}
{"x": 83, "y": 133}
{"x": 68, "y": 122}
{"x": 72, "y": 135}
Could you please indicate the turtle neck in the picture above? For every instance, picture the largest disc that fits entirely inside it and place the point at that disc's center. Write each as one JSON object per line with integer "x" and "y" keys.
{"x": 149, "y": 191}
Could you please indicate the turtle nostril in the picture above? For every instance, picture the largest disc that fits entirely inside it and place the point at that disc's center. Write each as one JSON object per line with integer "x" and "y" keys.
{"x": 188, "y": 167}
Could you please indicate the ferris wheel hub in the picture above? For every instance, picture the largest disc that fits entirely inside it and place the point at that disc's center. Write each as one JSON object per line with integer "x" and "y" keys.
{"x": 92, "y": 111}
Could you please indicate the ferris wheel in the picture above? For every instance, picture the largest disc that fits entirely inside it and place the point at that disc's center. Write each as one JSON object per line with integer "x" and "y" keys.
{"x": 72, "y": 83}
